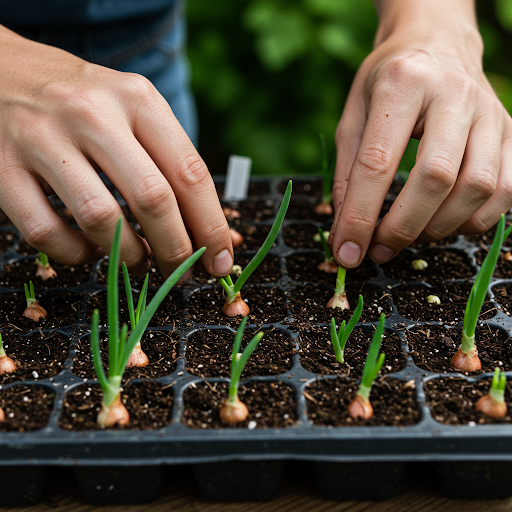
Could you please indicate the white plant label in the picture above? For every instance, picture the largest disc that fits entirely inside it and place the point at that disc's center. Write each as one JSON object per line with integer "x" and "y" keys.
{"x": 237, "y": 178}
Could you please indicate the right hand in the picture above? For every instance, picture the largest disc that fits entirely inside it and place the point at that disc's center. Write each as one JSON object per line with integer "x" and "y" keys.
{"x": 62, "y": 120}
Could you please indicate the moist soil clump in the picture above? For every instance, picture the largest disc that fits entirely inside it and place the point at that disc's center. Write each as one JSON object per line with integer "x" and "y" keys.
{"x": 308, "y": 305}
{"x": 26, "y": 408}
{"x": 411, "y": 302}
{"x": 270, "y": 404}
{"x": 503, "y": 267}
{"x": 22, "y": 271}
{"x": 433, "y": 346}
{"x": 251, "y": 211}
{"x": 7, "y": 240}
{"x": 393, "y": 402}
{"x": 208, "y": 353}
{"x": 452, "y": 401}
{"x": 38, "y": 355}
{"x": 268, "y": 306}
{"x": 148, "y": 403}
{"x": 317, "y": 354}
{"x": 304, "y": 267}
{"x": 442, "y": 265}
{"x": 503, "y": 295}
{"x": 161, "y": 347}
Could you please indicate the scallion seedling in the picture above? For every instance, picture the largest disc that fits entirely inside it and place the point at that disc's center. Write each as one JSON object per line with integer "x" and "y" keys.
{"x": 339, "y": 338}
{"x": 44, "y": 270}
{"x": 324, "y": 207}
{"x": 493, "y": 404}
{"x": 34, "y": 310}
{"x": 137, "y": 357}
{"x": 466, "y": 358}
{"x": 7, "y": 365}
{"x": 339, "y": 299}
{"x": 360, "y": 407}
{"x": 233, "y": 410}
{"x": 120, "y": 345}
{"x": 235, "y": 305}
{"x": 328, "y": 265}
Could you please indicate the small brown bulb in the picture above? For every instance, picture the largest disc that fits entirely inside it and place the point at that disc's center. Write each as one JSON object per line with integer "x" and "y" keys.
{"x": 45, "y": 272}
{"x": 360, "y": 408}
{"x": 469, "y": 362}
{"x": 236, "y": 238}
{"x": 137, "y": 358}
{"x": 491, "y": 407}
{"x": 236, "y": 307}
{"x": 35, "y": 312}
{"x": 115, "y": 414}
{"x": 323, "y": 209}
{"x": 7, "y": 365}
{"x": 329, "y": 266}
{"x": 2, "y": 415}
{"x": 233, "y": 412}
{"x": 338, "y": 300}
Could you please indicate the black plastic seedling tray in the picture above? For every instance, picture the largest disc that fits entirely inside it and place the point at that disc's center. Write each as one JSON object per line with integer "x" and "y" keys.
{"x": 358, "y": 462}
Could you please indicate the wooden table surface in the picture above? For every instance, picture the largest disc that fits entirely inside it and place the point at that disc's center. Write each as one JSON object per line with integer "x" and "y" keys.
{"x": 298, "y": 494}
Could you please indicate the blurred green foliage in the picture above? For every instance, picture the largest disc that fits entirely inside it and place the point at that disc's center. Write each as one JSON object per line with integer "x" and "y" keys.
{"x": 270, "y": 75}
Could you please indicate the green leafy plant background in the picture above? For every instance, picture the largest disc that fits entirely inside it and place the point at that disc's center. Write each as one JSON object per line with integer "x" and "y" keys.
{"x": 269, "y": 75}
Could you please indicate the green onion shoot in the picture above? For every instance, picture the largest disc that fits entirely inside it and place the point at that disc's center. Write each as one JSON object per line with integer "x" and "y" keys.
{"x": 328, "y": 265}
{"x": 324, "y": 207}
{"x": 493, "y": 403}
{"x": 7, "y": 365}
{"x": 466, "y": 358}
{"x": 235, "y": 305}
{"x": 120, "y": 345}
{"x": 339, "y": 338}
{"x": 339, "y": 299}
{"x": 44, "y": 270}
{"x": 137, "y": 357}
{"x": 360, "y": 407}
{"x": 34, "y": 310}
{"x": 233, "y": 410}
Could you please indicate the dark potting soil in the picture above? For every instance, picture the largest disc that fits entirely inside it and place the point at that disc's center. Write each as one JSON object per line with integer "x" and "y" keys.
{"x": 304, "y": 267}
{"x": 251, "y": 211}
{"x": 62, "y": 308}
{"x": 268, "y": 271}
{"x": 155, "y": 277}
{"x": 432, "y": 347}
{"x": 23, "y": 271}
{"x": 270, "y": 404}
{"x": 166, "y": 314}
{"x": 256, "y": 188}
{"x": 488, "y": 237}
{"x": 503, "y": 295}
{"x": 317, "y": 354}
{"x": 208, "y": 353}
{"x": 38, "y": 355}
{"x": 268, "y": 305}
{"x": 302, "y": 236}
{"x": 148, "y": 403}
{"x": 411, "y": 302}
{"x": 442, "y": 265}
{"x": 254, "y": 236}
{"x": 26, "y": 408}
{"x": 7, "y": 240}
{"x": 310, "y": 188}
{"x": 393, "y": 402}
{"x": 452, "y": 401}
{"x": 305, "y": 210}
{"x": 4, "y": 220}
{"x": 161, "y": 347}
{"x": 308, "y": 304}
{"x": 503, "y": 265}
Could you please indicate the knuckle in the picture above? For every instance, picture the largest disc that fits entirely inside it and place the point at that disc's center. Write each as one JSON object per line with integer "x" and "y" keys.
{"x": 398, "y": 69}
{"x": 179, "y": 253}
{"x": 139, "y": 87}
{"x": 153, "y": 195}
{"x": 402, "y": 233}
{"x": 97, "y": 214}
{"x": 192, "y": 170}
{"x": 355, "y": 220}
{"x": 372, "y": 160}
{"x": 482, "y": 184}
{"x": 217, "y": 230}
{"x": 433, "y": 234}
{"x": 439, "y": 172}
{"x": 39, "y": 232}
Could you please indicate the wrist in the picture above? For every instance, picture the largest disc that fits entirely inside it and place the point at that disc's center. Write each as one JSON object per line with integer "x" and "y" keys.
{"x": 436, "y": 24}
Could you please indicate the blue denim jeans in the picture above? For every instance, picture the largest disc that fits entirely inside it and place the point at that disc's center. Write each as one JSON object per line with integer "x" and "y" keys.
{"x": 151, "y": 45}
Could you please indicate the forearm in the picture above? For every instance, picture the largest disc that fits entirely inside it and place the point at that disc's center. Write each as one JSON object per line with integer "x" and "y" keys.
{"x": 423, "y": 21}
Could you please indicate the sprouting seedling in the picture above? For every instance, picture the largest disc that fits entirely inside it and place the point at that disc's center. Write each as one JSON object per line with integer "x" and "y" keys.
{"x": 137, "y": 357}
{"x": 120, "y": 345}
{"x": 493, "y": 403}
{"x": 324, "y": 206}
{"x": 7, "y": 365}
{"x": 339, "y": 299}
{"x": 466, "y": 358}
{"x": 328, "y": 265}
{"x": 419, "y": 264}
{"x": 339, "y": 339}
{"x": 433, "y": 299}
{"x": 235, "y": 305}
{"x": 44, "y": 270}
{"x": 233, "y": 410}
{"x": 360, "y": 407}
{"x": 34, "y": 310}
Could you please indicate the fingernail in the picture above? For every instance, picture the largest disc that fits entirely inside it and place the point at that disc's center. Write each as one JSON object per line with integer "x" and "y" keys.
{"x": 98, "y": 254}
{"x": 185, "y": 277}
{"x": 380, "y": 253}
{"x": 349, "y": 254}
{"x": 223, "y": 263}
